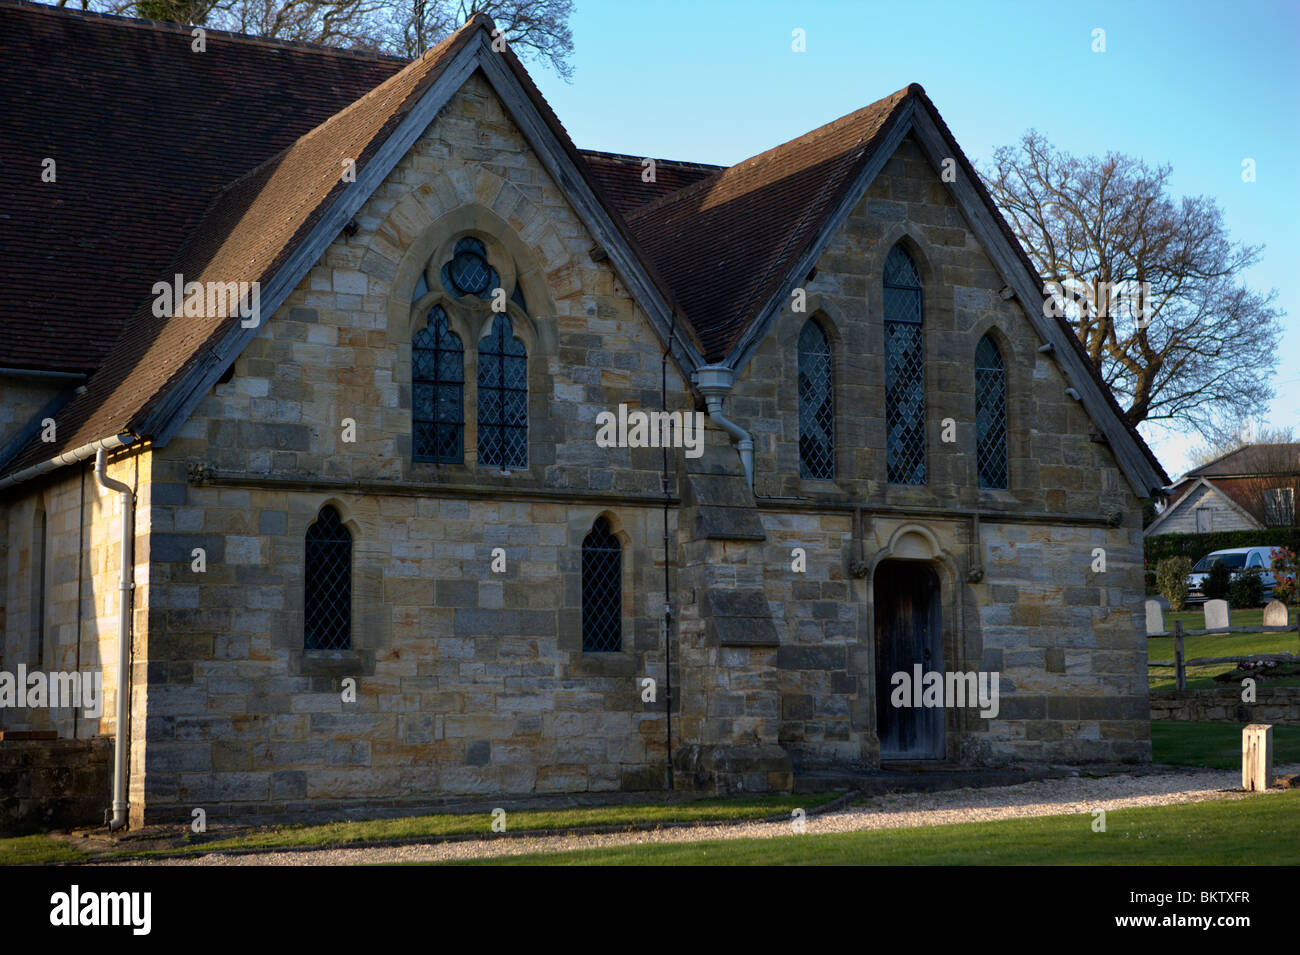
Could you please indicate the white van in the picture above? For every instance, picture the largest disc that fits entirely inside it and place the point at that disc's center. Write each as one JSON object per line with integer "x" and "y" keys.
{"x": 1238, "y": 559}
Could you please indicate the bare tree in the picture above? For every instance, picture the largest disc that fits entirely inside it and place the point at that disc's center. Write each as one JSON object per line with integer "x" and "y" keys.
{"x": 1150, "y": 283}
{"x": 534, "y": 29}
{"x": 354, "y": 24}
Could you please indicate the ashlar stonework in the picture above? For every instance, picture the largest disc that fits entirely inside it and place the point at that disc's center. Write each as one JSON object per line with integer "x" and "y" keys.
{"x": 466, "y": 673}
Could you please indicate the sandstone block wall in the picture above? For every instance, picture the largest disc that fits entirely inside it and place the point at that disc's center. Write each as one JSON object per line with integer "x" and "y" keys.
{"x": 1070, "y": 654}
{"x": 59, "y": 783}
{"x": 468, "y": 681}
{"x": 1274, "y": 704}
{"x": 83, "y": 549}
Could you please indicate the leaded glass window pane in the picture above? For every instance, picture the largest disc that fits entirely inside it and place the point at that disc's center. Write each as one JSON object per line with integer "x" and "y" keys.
{"x": 437, "y": 391}
{"x": 816, "y": 409}
{"x": 602, "y": 590}
{"x": 990, "y": 415}
{"x": 327, "y": 602}
{"x": 421, "y": 288}
{"x": 468, "y": 272}
{"x": 502, "y": 398}
{"x": 904, "y": 371}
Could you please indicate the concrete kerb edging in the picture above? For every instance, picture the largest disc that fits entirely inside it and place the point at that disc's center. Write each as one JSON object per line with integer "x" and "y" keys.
{"x": 834, "y": 804}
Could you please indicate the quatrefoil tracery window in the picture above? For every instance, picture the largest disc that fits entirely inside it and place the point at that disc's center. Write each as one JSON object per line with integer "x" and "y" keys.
{"x": 438, "y": 386}
{"x": 468, "y": 271}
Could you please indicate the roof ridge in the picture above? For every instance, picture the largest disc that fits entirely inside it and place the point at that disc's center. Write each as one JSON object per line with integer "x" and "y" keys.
{"x": 168, "y": 26}
{"x": 1199, "y": 471}
{"x": 747, "y": 162}
{"x": 670, "y": 162}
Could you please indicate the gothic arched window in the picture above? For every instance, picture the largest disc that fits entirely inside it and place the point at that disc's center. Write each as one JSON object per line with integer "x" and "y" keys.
{"x": 602, "y": 589}
{"x": 327, "y": 600}
{"x": 904, "y": 371}
{"x": 816, "y": 406}
{"x": 990, "y": 414}
{"x": 502, "y": 398}
{"x": 437, "y": 391}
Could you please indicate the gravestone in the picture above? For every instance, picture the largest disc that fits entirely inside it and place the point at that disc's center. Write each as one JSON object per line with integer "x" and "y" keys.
{"x": 1256, "y": 757}
{"x": 1216, "y": 615}
{"x": 1155, "y": 617}
{"x": 1275, "y": 614}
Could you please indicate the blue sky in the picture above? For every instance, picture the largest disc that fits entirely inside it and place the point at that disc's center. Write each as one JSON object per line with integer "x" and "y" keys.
{"x": 1197, "y": 84}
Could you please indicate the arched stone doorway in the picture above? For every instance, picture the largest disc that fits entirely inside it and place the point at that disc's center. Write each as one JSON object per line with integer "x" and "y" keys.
{"x": 907, "y": 600}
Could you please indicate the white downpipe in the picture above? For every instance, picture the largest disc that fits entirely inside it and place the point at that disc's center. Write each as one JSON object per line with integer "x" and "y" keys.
{"x": 64, "y": 459}
{"x": 714, "y": 382}
{"x": 121, "y": 738}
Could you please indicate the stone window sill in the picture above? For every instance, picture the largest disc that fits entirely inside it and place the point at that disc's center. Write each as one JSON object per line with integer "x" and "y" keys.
{"x": 336, "y": 663}
{"x": 587, "y": 663}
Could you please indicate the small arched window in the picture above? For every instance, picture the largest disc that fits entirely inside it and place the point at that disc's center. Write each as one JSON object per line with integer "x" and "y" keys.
{"x": 437, "y": 391}
{"x": 327, "y": 602}
{"x": 816, "y": 407}
{"x": 602, "y": 590}
{"x": 990, "y": 414}
{"x": 904, "y": 370}
{"x": 502, "y": 398}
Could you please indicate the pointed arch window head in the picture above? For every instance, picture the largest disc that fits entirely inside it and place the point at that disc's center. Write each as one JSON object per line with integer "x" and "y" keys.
{"x": 327, "y": 600}
{"x": 904, "y": 370}
{"x": 437, "y": 391}
{"x": 468, "y": 272}
{"x": 990, "y": 415}
{"x": 816, "y": 405}
{"x": 502, "y": 398}
{"x": 602, "y": 590}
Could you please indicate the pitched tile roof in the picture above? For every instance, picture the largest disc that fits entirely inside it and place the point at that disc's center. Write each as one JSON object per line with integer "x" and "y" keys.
{"x": 245, "y": 235}
{"x": 620, "y": 177}
{"x": 750, "y": 222}
{"x": 725, "y": 243}
{"x": 145, "y": 133}
{"x": 1252, "y": 459}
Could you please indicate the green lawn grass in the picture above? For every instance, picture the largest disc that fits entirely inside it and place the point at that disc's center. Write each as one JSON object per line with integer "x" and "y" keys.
{"x": 442, "y": 825}
{"x": 1216, "y": 645}
{"x": 1260, "y": 830}
{"x": 37, "y": 850}
{"x": 1214, "y": 745}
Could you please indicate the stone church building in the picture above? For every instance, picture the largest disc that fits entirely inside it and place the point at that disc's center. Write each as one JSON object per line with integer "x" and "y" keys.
{"x": 315, "y": 344}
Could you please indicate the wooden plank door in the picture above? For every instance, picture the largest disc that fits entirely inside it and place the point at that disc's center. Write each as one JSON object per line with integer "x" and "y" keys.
{"x": 908, "y": 632}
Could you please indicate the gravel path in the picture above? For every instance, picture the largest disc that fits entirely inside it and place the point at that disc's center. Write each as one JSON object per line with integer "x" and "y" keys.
{"x": 1047, "y": 797}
